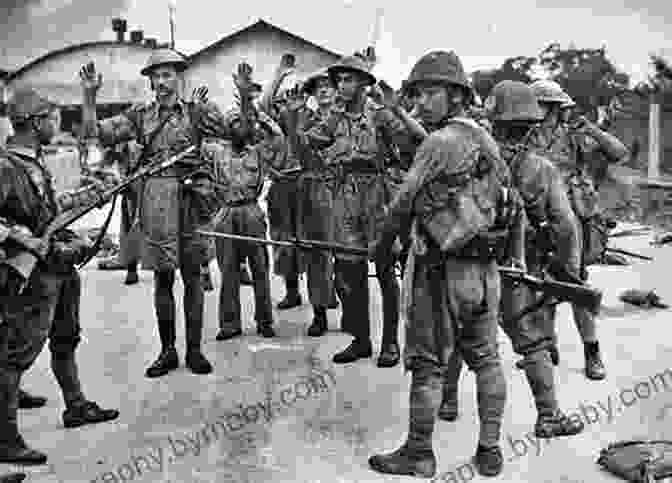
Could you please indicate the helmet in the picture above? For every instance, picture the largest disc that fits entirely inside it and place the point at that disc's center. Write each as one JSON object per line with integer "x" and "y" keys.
{"x": 439, "y": 66}
{"x": 353, "y": 63}
{"x": 27, "y": 103}
{"x": 548, "y": 91}
{"x": 569, "y": 102}
{"x": 513, "y": 101}
{"x": 164, "y": 57}
{"x": 310, "y": 83}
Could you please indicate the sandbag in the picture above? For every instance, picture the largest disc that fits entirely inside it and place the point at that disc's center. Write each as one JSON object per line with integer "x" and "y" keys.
{"x": 638, "y": 461}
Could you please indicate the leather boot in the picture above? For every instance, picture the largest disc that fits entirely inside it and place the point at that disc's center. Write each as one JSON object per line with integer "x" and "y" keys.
{"x": 358, "y": 349}
{"x": 28, "y": 401}
{"x": 489, "y": 461}
{"x": 87, "y": 412}
{"x": 319, "y": 326}
{"x": 13, "y": 449}
{"x": 553, "y": 425}
{"x": 166, "y": 362}
{"x": 594, "y": 366}
{"x": 389, "y": 355}
{"x": 293, "y": 297}
{"x": 193, "y": 316}
{"x": 131, "y": 274}
{"x": 416, "y": 456}
{"x": 449, "y": 409}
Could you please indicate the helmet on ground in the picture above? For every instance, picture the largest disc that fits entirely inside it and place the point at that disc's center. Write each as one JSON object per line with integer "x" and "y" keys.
{"x": 164, "y": 57}
{"x": 310, "y": 83}
{"x": 353, "y": 63}
{"x": 439, "y": 66}
{"x": 513, "y": 101}
{"x": 27, "y": 103}
{"x": 548, "y": 91}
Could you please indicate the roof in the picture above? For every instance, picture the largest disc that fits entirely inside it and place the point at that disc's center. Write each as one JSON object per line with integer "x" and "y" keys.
{"x": 259, "y": 24}
{"x": 74, "y": 48}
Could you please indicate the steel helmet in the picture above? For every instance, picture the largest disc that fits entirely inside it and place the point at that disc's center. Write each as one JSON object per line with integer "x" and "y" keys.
{"x": 353, "y": 63}
{"x": 548, "y": 91}
{"x": 164, "y": 57}
{"x": 513, "y": 101}
{"x": 27, "y": 103}
{"x": 439, "y": 66}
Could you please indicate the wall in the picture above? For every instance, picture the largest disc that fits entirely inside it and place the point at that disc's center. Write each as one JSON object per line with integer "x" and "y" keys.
{"x": 58, "y": 76}
{"x": 261, "y": 47}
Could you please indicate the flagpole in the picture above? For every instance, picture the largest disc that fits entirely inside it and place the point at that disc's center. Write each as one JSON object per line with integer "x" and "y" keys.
{"x": 171, "y": 15}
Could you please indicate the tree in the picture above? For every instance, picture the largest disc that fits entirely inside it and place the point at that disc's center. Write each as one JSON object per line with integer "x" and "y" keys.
{"x": 514, "y": 68}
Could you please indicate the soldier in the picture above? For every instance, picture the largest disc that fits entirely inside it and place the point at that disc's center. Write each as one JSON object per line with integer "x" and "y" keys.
{"x": 356, "y": 159}
{"x": 571, "y": 153}
{"x": 46, "y": 304}
{"x": 514, "y": 112}
{"x": 451, "y": 271}
{"x": 174, "y": 203}
{"x": 239, "y": 173}
{"x": 316, "y": 205}
{"x": 283, "y": 195}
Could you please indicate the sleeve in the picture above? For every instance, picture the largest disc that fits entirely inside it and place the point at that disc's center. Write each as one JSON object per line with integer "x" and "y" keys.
{"x": 121, "y": 128}
{"x": 564, "y": 223}
{"x": 210, "y": 121}
{"x": 434, "y": 155}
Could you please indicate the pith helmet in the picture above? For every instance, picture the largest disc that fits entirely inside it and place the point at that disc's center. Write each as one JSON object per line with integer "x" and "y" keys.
{"x": 352, "y": 63}
{"x": 311, "y": 82}
{"x": 513, "y": 101}
{"x": 27, "y": 103}
{"x": 549, "y": 91}
{"x": 439, "y": 66}
{"x": 164, "y": 57}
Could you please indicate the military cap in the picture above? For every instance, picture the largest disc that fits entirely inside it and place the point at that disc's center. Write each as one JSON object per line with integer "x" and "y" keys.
{"x": 513, "y": 101}
{"x": 310, "y": 83}
{"x": 27, "y": 103}
{"x": 164, "y": 57}
{"x": 353, "y": 63}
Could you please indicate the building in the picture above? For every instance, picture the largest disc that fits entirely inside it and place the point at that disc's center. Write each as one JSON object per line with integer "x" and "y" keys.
{"x": 261, "y": 44}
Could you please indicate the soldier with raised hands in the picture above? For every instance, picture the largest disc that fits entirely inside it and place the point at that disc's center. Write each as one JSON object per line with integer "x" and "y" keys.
{"x": 573, "y": 152}
{"x": 173, "y": 203}
{"x": 45, "y": 302}
{"x": 240, "y": 165}
{"x": 452, "y": 197}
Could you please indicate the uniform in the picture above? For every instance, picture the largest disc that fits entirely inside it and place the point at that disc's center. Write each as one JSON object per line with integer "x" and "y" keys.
{"x": 48, "y": 306}
{"x": 172, "y": 205}
{"x": 239, "y": 174}
{"x": 454, "y": 288}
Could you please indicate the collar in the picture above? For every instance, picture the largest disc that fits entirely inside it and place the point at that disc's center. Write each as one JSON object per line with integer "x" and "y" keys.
{"x": 179, "y": 107}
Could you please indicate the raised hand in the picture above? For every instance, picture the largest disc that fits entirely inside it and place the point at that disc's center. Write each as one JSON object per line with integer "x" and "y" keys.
{"x": 90, "y": 80}
{"x": 199, "y": 95}
{"x": 242, "y": 78}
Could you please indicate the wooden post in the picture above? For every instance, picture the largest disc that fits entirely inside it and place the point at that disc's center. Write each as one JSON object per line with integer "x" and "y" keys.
{"x": 654, "y": 137}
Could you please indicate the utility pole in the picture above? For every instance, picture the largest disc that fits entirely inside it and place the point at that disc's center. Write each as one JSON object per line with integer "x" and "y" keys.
{"x": 654, "y": 135}
{"x": 171, "y": 18}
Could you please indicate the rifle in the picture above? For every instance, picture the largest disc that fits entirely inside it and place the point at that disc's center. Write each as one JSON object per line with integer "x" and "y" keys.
{"x": 581, "y": 295}
{"x": 25, "y": 262}
{"x": 626, "y": 252}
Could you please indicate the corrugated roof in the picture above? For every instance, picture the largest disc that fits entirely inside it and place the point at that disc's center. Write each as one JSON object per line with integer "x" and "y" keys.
{"x": 256, "y": 25}
{"x": 74, "y": 48}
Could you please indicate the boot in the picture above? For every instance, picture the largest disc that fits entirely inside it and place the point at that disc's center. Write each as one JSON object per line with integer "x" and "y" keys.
{"x": 12, "y": 478}
{"x": 489, "y": 461}
{"x": 389, "y": 355}
{"x": 265, "y": 330}
{"x": 405, "y": 462}
{"x": 358, "y": 349}
{"x": 197, "y": 363}
{"x": 319, "y": 326}
{"x": 550, "y": 426}
{"x": 226, "y": 335}
{"x": 594, "y": 365}
{"x": 293, "y": 297}
{"x": 165, "y": 363}
{"x": 28, "y": 401}
{"x": 87, "y": 413}
{"x": 131, "y": 274}
{"x": 13, "y": 449}
{"x": 449, "y": 409}
{"x": 416, "y": 456}
{"x": 206, "y": 279}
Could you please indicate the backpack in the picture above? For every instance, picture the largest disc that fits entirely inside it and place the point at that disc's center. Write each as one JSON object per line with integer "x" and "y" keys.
{"x": 456, "y": 208}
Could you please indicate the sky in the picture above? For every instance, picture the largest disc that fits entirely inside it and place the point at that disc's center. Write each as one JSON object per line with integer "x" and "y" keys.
{"x": 483, "y": 34}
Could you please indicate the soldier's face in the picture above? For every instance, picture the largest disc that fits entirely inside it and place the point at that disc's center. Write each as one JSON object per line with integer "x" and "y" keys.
{"x": 324, "y": 91}
{"x": 349, "y": 85}
{"x": 436, "y": 102}
{"x": 165, "y": 82}
{"x": 48, "y": 126}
